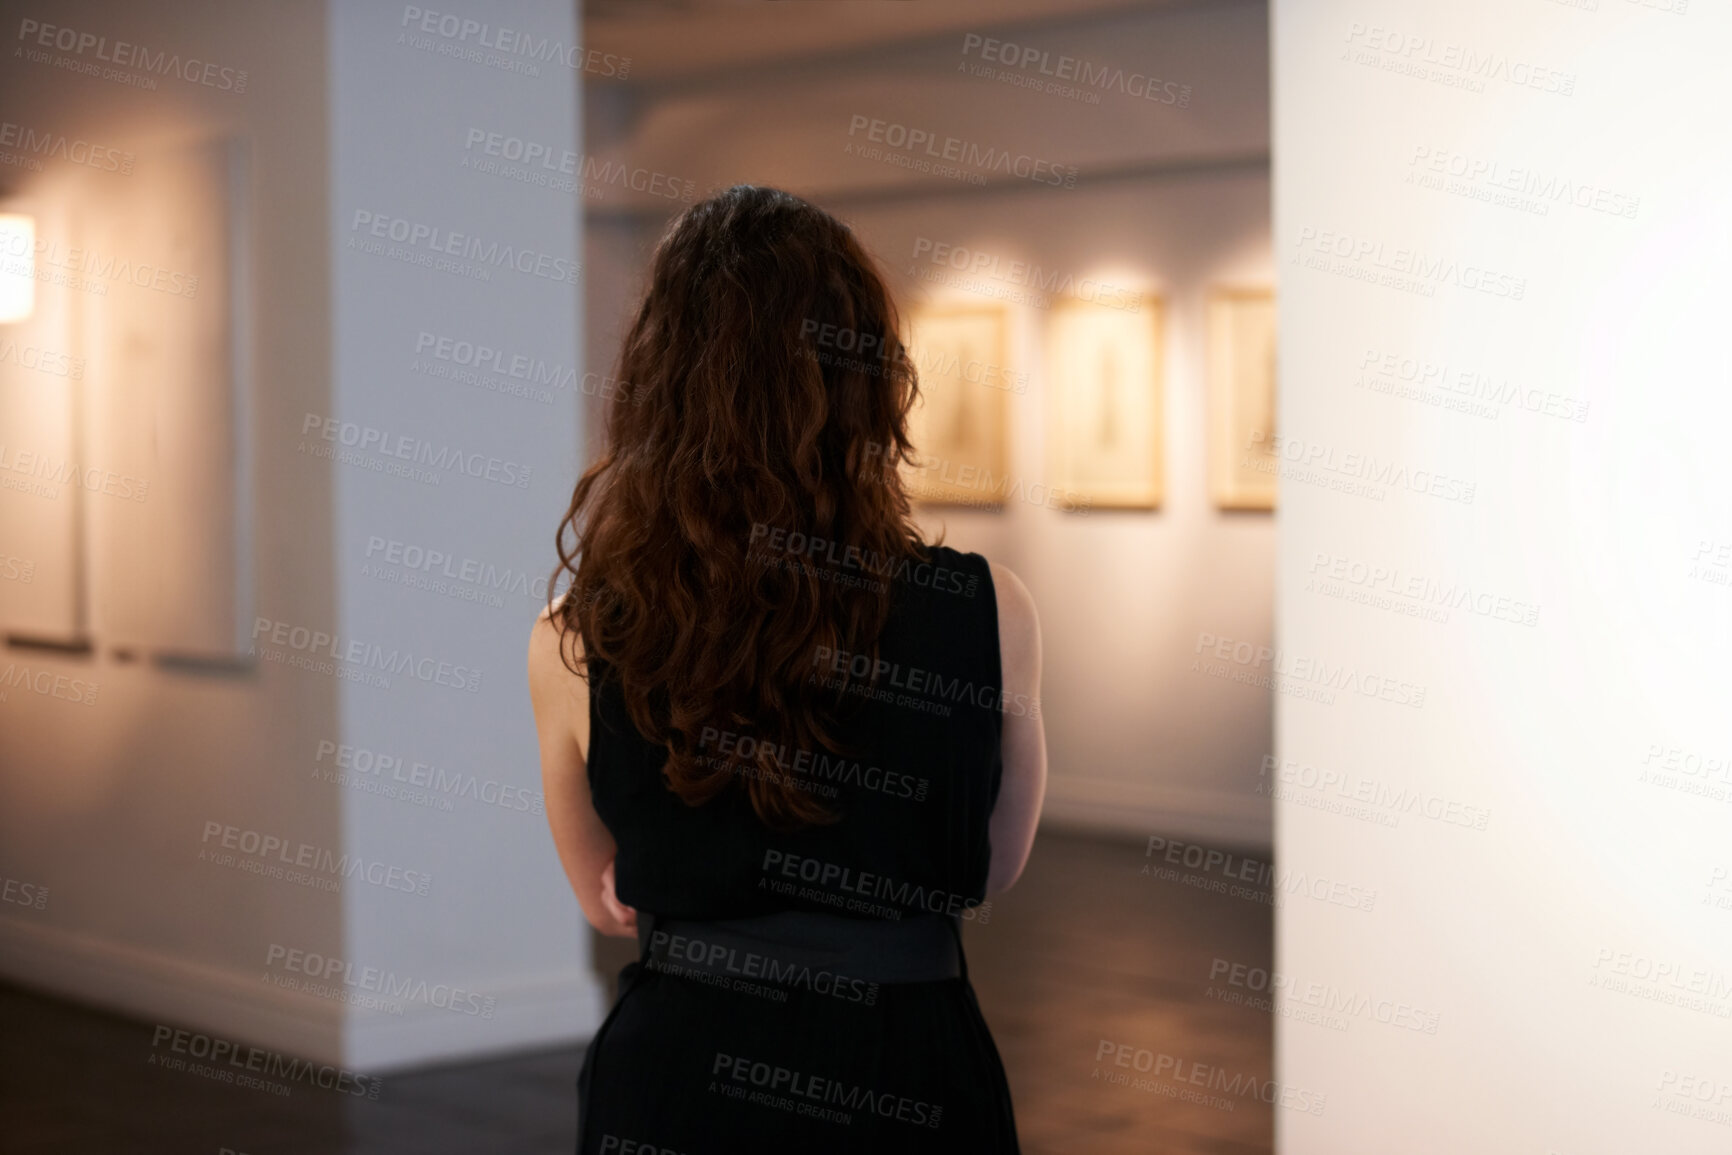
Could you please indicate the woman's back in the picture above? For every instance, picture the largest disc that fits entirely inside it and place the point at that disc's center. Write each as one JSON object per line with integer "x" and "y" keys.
{"x": 912, "y": 796}
{"x": 785, "y": 744}
{"x": 746, "y": 1036}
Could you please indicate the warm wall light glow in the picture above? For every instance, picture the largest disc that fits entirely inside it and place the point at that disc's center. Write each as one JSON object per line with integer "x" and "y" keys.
{"x": 17, "y": 266}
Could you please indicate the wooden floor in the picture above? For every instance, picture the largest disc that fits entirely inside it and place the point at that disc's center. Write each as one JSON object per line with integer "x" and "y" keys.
{"x": 1086, "y": 950}
{"x": 1086, "y": 956}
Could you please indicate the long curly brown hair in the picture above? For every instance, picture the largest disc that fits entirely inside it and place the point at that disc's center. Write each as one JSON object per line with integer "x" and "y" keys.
{"x": 768, "y": 400}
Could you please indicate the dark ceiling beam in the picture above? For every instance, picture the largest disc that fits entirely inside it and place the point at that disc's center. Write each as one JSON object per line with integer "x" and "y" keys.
{"x": 859, "y": 58}
{"x": 1180, "y": 168}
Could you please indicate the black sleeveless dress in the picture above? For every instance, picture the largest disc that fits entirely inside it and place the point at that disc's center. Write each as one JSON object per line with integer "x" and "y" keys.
{"x": 769, "y": 1062}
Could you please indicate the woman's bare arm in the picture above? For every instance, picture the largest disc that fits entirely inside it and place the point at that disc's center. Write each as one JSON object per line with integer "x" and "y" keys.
{"x": 586, "y": 849}
{"x": 1023, "y": 786}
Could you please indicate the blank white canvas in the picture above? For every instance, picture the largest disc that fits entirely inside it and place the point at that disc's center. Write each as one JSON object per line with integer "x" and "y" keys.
{"x": 40, "y": 559}
{"x": 173, "y": 572}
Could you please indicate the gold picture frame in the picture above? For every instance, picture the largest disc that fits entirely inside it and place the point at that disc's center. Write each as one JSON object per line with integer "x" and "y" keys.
{"x": 960, "y": 425}
{"x": 1106, "y": 372}
{"x": 1244, "y": 469}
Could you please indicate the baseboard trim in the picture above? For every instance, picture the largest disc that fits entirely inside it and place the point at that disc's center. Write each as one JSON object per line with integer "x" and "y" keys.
{"x": 546, "y": 1010}
{"x": 556, "y": 1009}
{"x": 1111, "y": 806}
{"x": 157, "y": 988}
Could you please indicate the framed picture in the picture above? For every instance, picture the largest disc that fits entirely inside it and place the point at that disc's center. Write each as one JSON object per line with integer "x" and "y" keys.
{"x": 172, "y": 571}
{"x": 42, "y": 378}
{"x": 1104, "y": 373}
{"x": 959, "y": 425}
{"x": 1243, "y": 466}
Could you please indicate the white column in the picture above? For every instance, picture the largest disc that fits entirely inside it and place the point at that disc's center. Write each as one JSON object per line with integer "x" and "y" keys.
{"x": 1503, "y": 607}
{"x": 455, "y": 233}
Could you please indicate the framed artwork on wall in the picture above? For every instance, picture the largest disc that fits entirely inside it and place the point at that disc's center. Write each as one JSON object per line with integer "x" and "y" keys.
{"x": 1243, "y": 466}
{"x": 42, "y": 372}
{"x": 1106, "y": 429}
{"x": 173, "y": 572}
{"x": 959, "y": 427}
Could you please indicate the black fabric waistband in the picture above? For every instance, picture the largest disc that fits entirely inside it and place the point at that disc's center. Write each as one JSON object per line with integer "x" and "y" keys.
{"x": 804, "y": 948}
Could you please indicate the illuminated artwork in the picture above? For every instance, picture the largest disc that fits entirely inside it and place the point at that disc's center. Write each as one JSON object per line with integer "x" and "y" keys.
{"x": 1243, "y": 467}
{"x": 1104, "y": 373}
{"x": 959, "y": 426}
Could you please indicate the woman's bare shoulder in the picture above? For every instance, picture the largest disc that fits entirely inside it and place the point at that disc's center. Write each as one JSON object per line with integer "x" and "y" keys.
{"x": 1017, "y": 617}
{"x": 550, "y": 645}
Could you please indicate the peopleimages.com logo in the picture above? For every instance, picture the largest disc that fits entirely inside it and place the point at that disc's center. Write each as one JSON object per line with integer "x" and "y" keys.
{"x": 302, "y": 646}
{"x": 80, "y": 43}
{"x": 47, "y": 683}
{"x": 257, "y": 852}
{"x": 230, "y": 1062}
{"x": 1072, "y": 75}
{"x": 930, "y": 146}
{"x": 329, "y": 975}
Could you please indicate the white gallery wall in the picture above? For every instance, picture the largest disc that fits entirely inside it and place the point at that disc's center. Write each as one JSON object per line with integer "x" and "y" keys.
{"x": 453, "y": 468}
{"x": 327, "y": 839}
{"x": 1506, "y": 846}
{"x": 108, "y": 798}
{"x": 1171, "y": 200}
